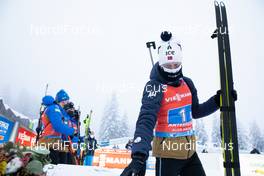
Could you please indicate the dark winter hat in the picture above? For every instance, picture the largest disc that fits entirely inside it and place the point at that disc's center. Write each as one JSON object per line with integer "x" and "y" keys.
{"x": 62, "y": 96}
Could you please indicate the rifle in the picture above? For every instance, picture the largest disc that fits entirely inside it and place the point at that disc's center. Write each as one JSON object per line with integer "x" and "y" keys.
{"x": 41, "y": 111}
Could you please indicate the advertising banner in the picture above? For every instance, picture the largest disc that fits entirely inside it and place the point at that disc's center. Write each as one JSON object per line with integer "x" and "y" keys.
{"x": 25, "y": 137}
{"x": 112, "y": 158}
{"x": 6, "y": 127}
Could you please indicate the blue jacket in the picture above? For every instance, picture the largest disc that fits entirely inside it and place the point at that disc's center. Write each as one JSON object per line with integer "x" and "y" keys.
{"x": 56, "y": 115}
{"x": 151, "y": 106}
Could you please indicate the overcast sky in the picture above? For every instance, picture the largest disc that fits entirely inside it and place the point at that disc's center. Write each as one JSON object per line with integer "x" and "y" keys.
{"x": 92, "y": 48}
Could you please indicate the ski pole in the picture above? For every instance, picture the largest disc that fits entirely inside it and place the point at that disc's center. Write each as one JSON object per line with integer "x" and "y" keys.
{"x": 149, "y": 45}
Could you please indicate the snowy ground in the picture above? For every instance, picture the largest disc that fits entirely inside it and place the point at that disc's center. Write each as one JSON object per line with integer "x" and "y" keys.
{"x": 251, "y": 165}
{"x": 70, "y": 170}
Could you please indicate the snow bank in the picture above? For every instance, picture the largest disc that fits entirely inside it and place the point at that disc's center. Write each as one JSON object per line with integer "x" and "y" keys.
{"x": 251, "y": 165}
{"x": 22, "y": 116}
{"x": 70, "y": 170}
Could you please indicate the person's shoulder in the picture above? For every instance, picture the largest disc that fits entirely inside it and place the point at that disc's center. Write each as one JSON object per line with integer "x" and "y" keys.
{"x": 153, "y": 91}
{"x": 153, "y": 85}
{"x": 190, "y": 83}
{"x": 187, "y": 79}
{"x": 53, "y": 108}
{"x": 154, "y": 81}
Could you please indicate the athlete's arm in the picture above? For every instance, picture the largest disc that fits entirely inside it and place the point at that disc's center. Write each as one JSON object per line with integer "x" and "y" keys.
{"x": 54, "y": 115}
{"x": 203, "y": 109}
{"x": 146, "y": 122}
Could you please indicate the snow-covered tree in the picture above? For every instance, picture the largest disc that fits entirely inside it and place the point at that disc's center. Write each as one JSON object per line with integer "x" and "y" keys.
{"x": 256, "y": 137}
{"x": 201, "y": 133}
{"x": 216, "y": 134}
{"x": 262, "y": 141}
{"x": 112, "y": 125}
{"x": 124, "y": 129}
{"x": 242, "y": 137}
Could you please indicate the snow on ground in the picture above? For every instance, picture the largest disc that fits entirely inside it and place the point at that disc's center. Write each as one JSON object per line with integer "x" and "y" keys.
{"x": 71, "y": 170}
{"x": 251, "y": 165}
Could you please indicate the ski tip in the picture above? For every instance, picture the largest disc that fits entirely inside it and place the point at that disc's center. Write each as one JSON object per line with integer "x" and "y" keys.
{"x": 222, "y": 3}
{"x": 216, "y": 3}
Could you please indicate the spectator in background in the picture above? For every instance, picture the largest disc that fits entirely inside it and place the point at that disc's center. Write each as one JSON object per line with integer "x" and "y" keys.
{"x": 55, "y": 127}
{"x": 255, "y": 151}
{"x": 90, "y": 148}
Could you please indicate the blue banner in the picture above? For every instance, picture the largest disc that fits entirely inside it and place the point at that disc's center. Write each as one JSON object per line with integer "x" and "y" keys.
{"x": 104, "y": 143}
{"x": 6, "y": 127}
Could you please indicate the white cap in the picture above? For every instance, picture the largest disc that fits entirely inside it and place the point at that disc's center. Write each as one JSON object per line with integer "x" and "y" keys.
{"x": 169, "y": 51}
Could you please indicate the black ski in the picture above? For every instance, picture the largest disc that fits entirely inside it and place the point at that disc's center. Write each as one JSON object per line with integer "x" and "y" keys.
{"x": 231, "y": 103}
{"x": 228, "y": 117}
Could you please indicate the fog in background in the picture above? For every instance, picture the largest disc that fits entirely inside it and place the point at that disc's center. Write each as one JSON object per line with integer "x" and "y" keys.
{"x": 94, "y": 48}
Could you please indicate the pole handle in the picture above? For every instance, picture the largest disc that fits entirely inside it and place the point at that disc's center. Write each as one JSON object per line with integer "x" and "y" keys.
{"x": 151, "y": 44}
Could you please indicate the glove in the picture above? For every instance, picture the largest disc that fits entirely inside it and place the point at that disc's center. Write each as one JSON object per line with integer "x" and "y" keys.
{"x": 218, "y": 95}
{"x": 137, "y": 167}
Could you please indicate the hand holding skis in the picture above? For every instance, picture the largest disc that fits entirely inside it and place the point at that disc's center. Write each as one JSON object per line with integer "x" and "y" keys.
{"x": 219, "y": 93}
